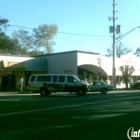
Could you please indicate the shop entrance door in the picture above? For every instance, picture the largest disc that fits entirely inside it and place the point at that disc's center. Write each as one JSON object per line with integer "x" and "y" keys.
{"x": 27, "y": 76}
{"x": 8, "y": 81}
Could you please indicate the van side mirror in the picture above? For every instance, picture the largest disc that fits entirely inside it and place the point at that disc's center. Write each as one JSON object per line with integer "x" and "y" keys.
{"x": 74, "y": 81}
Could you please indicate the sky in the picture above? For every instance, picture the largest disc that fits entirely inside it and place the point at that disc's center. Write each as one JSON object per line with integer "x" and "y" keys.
{"x": 88, "y": 18}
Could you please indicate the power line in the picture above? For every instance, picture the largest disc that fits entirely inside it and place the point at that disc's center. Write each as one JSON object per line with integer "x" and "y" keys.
{"x": 20, "y": 26}
{"x": 76, "y": 34}
{"x": 83, "y": 34}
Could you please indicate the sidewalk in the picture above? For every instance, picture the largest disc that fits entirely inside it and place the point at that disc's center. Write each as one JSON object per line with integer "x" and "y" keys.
{"x": 123, "y": 87}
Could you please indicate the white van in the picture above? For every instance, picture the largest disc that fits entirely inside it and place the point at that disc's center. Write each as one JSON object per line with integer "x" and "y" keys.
{"x": 48, "y": 83}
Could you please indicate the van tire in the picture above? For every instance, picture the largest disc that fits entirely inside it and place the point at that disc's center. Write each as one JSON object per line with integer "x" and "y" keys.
{"x": 43, "y": 92}
{"x": 138, "y": 87}
{"x": 48, "y": 93}
{"x": 104, "y": 91}
{"x": 81, "y": 92}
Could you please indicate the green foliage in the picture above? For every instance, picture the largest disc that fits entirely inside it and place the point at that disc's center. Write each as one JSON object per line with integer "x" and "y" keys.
{"x": 7, "y": 45}
{"x": 34, "y": 53}
{"x": 38, "y": 42}
{"x": 127, "y": 72}
{"x": 22, "y": 42}
{"x": 44, "y": 36}
{"x": 121, "y": 49}
{"x": 3, "y": 23}
{"x": 137, "y": 52}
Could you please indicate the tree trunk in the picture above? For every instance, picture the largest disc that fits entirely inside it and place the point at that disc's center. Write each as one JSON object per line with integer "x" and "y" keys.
{"x": 126, "y": 76}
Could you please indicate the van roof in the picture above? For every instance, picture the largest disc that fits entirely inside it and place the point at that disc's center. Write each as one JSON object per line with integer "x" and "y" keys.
{"x": 53, "y": 74}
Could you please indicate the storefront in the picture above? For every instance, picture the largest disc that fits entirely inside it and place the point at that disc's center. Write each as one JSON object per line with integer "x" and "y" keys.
{"x": 86, "y": 65}
{"x": 12, "y": 69}
{"x": 91, "y": 66}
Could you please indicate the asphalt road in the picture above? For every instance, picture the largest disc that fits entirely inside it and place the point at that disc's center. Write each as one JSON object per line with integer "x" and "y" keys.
{"x": 69, "y": 117}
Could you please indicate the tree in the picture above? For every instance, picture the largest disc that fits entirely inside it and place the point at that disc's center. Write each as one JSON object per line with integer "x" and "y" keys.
{"x": 38, "y": 42}
{"x": 24, "y": 40}
{"x": 137, "y": 52}
{"x": 121, "y": 49}
{"x": 3, "y": 23}
{"x": 4, "y": 40}
{"x": 127, "y": 72}
{"x": 28, "y": 43}
{"x": 44, "y": 36}
{"x": 7, "y": 45}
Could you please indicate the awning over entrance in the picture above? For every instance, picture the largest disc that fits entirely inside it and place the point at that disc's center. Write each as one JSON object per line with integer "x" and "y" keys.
{"x": 91, "y": 69}
{"x": 37, "y": 64}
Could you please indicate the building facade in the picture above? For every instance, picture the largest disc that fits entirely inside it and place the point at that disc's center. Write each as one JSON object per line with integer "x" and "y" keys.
{"x": 91, "y": 66}
{"x": 12, "y": 68}
{"x": 86, "y": 65}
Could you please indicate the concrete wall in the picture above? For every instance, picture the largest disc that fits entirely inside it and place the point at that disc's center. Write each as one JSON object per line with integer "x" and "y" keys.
{"x": 85, "y": 58}
{"x": 63, "y": 63}
{"x": 107, "y": 65}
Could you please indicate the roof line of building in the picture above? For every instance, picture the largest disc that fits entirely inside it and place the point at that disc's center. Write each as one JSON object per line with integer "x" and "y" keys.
{"x": 87, "y": 52}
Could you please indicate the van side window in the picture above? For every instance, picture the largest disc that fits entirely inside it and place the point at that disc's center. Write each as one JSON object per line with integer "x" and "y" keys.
{"x": 32, "y": 78}
{"x": 70, "y": 79}
{"x": 61, "y": 79}
{"x": 55, "y": 78}
{"x": 44, "y": 78}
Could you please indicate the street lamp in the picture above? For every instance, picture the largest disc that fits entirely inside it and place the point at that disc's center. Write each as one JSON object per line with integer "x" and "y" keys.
{"x": 116, "y": 40}
{"x": 122, "y": 36}
{"x": 115, "y": 30}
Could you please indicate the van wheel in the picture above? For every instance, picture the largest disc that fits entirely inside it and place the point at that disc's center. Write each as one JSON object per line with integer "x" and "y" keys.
{"x": 138, "y": 87}
{"x": 104, "y": 91}
{"x": 43, "y": 92}
{"x": 81, "y": 92}
{"x": 48, "y": 93}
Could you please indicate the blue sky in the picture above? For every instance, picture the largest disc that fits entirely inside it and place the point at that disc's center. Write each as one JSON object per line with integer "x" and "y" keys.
{"x": 88, "y": 17}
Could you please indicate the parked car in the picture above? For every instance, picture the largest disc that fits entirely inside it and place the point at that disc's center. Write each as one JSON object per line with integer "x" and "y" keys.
{"x": 135, "y": 85}
{"x": 100, "y": 86}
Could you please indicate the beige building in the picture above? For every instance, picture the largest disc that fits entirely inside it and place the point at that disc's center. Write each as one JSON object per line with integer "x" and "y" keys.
{"x": 91, "y": 66}
{"x": 86, "y": 65}
{"x": 12, "y": 68}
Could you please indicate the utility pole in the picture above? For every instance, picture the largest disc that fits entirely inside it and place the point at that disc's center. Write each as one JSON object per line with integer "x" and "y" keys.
{"x": 114, "y": 44}
{"x": 115, "y": 30}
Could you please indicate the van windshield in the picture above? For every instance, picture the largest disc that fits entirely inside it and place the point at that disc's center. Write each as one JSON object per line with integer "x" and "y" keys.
{"x": 77, "y": 79}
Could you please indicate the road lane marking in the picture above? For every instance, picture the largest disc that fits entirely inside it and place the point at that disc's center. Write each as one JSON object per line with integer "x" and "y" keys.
{"x": 3, "y": 100}
{"x": 62, "y": 107}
